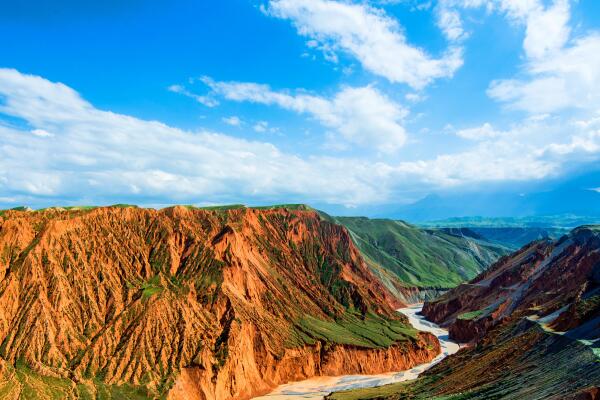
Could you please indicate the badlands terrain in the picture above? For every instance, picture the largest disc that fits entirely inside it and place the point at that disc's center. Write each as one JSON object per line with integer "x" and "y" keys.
{"x": 232, "y": 302}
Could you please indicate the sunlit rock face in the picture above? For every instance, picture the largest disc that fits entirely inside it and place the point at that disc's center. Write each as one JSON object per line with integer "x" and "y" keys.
{"x": 190, "y": 303}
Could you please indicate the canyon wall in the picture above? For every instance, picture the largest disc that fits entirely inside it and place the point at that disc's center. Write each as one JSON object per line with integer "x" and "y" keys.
{"x": 190, "y": 303}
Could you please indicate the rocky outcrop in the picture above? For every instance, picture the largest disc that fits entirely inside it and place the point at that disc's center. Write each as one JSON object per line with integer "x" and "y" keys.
{"x": 536, "y": 281}
{"x": 206, "y": 304}
{"x": 415, "y": 295}
{"x": 469, "y": 330}
{"x": 592, "y": 393}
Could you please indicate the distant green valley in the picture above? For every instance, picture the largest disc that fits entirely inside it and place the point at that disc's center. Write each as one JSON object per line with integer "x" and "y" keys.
{"x": 404, "y": 256}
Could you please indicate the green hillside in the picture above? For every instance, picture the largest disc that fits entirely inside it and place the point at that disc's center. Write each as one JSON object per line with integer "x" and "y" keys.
{"x": 424, "y": 258}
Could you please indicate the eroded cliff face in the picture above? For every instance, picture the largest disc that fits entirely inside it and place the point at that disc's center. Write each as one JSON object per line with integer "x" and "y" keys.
{"x": 309, "y": 361}
{"x": 190, "y": 303}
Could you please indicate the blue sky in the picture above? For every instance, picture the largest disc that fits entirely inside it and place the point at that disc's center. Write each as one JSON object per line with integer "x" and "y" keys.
{"x": 340, "y": 104}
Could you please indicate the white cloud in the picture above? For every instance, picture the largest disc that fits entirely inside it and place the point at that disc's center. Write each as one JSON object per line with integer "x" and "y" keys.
{"x": 426, "y": 5}
{"x": 547, "y": 29}
{"x": 557, "y": 74}
{"x": 583, "y": 143}
{"x": 449, "y": 19}
{"x": 233, "y": 121}
{"x": 107, "y": 157}
{"x": 360, "y": 116}
{"x": 489, "y": 161}
{"x": 450, "y": 23}
{"x": 205, "y": 100}
{"x": 263, "y": 126}
{"x": 369, "y": 35}
{"x": 485, "y": 131}
{"x": 41, "y": 133}
{"x": 570, "y": 78}
{"x": 414, "y": 97}
{"x": 312, "y": 43}
{"x": 533, "y": 149}
{"x": 99, "y": 156}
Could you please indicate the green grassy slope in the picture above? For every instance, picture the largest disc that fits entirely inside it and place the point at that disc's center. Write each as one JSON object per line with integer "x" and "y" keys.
{"x": 420, "y": 257}
{"x": 371, "y": 331}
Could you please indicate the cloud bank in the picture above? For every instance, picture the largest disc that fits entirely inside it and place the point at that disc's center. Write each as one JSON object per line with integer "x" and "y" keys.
{"x": 55, "y": 147}
{"x": 361, "y": 116}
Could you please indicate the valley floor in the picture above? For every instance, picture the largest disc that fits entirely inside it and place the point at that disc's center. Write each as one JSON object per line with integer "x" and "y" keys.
{"x": 319, "y": 387}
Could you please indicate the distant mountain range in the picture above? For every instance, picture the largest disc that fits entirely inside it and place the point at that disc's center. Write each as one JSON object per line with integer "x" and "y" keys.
{"x": 510, "y": 237}
{"x": 582, "y": 203}
{"x": 564, "y": 202}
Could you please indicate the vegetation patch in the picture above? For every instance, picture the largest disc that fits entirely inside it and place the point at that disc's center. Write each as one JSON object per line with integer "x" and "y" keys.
{"x": 395, "y": 389}
{"x": 300, "y": 207}
{"x": 151, "y": 287}
{"x": 587, "y": 307}
{"x": 370, "y": 332}
{"x": 471, "y": 315}
{"x": 120, "y": 205}
{"x": 478, "y": 313}
{"x": 125, "y": 392}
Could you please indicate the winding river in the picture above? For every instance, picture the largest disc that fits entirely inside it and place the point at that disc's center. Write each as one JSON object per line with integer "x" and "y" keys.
{"x": 319, "y": 387}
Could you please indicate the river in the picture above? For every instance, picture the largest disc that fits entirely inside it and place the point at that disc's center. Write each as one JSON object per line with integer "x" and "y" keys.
{"x": 319, "y": 387}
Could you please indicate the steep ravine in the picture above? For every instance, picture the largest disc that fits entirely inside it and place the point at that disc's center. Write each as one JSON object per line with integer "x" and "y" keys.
{"x": 533, "y": 323}
{"x": 537, "y": 280}
{"x": 319, "y": 388}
